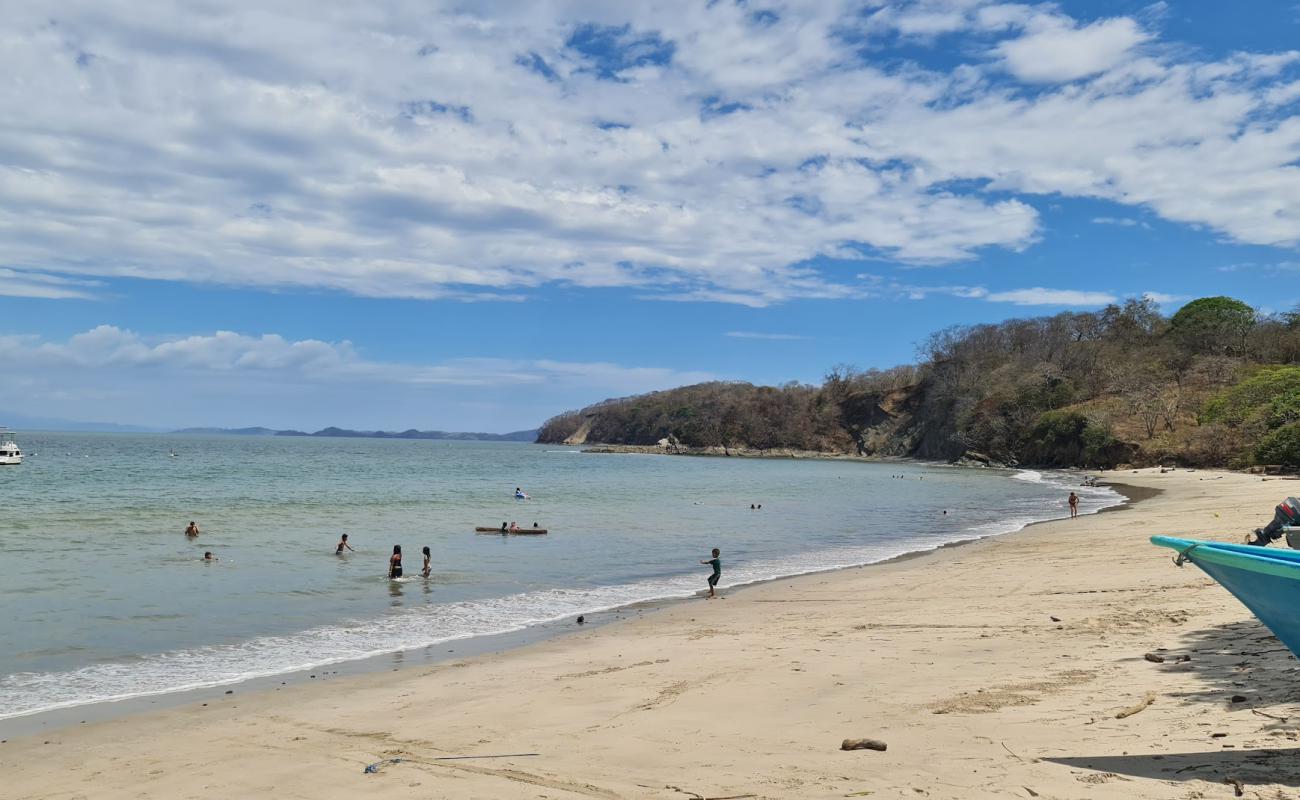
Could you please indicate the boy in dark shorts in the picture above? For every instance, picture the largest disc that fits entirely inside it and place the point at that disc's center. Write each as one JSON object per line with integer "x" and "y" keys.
{"x": 716, "y": 563}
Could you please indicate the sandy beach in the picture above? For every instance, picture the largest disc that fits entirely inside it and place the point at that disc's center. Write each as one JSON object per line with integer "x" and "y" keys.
{"x": 994, "y": 669}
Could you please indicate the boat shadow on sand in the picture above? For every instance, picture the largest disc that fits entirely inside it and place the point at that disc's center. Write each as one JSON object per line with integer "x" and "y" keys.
{"x": 1250, "y": 767}
{"x": 1254, "y": 678}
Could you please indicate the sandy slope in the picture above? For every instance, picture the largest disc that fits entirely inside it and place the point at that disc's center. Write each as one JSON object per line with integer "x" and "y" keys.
{"x": 951, "y": 658}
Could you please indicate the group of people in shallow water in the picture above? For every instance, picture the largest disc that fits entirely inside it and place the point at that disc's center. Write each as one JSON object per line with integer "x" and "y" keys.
{"x": 394, "y": 561}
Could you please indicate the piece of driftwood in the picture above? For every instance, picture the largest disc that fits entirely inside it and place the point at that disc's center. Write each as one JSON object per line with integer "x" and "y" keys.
{"x": 863, "y": 744}
{"x": 1154, "y": 659}
{"x": 1131, "y": 710}
{"x": 698, "y": 796}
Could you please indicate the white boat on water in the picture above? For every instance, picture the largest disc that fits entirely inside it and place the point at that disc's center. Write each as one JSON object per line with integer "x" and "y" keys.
{"x": 9, "y": 452}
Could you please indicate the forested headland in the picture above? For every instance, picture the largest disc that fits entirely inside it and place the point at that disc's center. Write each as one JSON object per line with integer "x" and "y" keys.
{"x": 1215, "y": 384}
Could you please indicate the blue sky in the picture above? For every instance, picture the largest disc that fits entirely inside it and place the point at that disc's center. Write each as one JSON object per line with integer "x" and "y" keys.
{"x": 409, "y": 214}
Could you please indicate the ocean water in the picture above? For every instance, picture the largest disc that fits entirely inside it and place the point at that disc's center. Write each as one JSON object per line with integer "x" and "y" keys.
{"x": 103, "y": 598}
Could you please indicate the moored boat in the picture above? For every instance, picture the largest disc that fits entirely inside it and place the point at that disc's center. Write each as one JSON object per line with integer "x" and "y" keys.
{"x": 9, "y": 452}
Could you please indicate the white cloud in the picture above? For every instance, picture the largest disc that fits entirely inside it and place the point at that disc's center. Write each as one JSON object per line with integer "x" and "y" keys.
{"x": 406, "y": 149}
{"x": 1036, "y": 296}
{"x": 1039, "y": 296}
{"x": 1054, "y": 48}
{"x": 25, "y": 283}
{"x": 775, "y": 337}
{"x": 295, "y": 380}
{"x": 1161, "y": 298}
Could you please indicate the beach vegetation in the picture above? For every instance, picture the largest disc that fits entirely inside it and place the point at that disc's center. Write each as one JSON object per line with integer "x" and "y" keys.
{"x": 1281, "y": 446}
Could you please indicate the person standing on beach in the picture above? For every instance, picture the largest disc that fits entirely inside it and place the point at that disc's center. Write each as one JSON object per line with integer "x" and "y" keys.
{"x": 424, "y": 573}
{"x": 1074, "y": 505}
{"x": 395, "y": 562}
{"x": 716, "y": 563}
{"x": 343, "y": 543}
{"x": 193, "y": 529}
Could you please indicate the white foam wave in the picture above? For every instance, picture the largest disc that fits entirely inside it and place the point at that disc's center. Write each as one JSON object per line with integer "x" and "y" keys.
{"x": 1029, "y": 476}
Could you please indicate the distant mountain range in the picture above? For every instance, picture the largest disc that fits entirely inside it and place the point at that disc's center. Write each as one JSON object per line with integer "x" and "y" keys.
{"x": 412, "y": 433}
{"x": 23, "y": 422}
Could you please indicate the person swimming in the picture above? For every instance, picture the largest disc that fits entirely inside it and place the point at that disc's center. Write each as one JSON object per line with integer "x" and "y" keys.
{"x": 504, "y": 529}
{"x": 193, "y": 529}
{"x": 343, "y": 544}
{"x": 207, "y": 556}
{"x": 395, "y": 562}
{"x": 514, "y": 527}
{"x": 427, "y": 569}
{"x": 520, "y": 494}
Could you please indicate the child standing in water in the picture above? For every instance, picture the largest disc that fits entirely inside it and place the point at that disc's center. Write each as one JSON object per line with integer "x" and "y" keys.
{"x": 425, "y": 572}
{"x": 1074, "y": 504}
{"x": 395, "y": 562}
{"x": 716, "y": 563}
{"x": 343, "y": 543}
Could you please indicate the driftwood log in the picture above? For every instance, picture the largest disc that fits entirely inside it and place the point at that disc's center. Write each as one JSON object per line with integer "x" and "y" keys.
{"x": 1131, "y": 710}
{"x": 863, "y": 744}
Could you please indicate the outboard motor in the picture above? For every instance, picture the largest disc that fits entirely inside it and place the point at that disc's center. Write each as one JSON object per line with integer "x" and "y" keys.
{"x": 1287, "y": 514}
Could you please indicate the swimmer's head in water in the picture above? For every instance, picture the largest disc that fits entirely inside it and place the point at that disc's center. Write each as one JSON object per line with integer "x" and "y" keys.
{"x": 208, "y": 554}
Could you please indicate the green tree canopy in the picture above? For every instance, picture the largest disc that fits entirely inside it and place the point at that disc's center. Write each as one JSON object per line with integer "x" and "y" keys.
{"x": 1213, "y": 325}
{"x": 1269, "y": 399}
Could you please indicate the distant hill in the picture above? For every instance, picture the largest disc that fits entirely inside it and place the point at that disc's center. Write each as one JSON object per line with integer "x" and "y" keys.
{"x": 230, "y": 431}
{"x": 25, "y": 422}
{"x": 411, "y": 433}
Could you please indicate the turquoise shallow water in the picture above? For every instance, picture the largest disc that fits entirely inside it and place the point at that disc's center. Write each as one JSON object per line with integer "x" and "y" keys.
{"x": 104, "y": 598}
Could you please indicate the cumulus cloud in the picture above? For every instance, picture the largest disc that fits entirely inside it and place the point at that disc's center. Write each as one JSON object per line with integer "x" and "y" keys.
{"x": 1054, "y": 49}
{"x": 198, "y": 372}
{"x": 687, "y": 151}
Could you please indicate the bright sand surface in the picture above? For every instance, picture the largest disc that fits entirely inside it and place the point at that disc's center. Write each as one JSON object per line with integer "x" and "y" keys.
{"x": 952, "y": 658}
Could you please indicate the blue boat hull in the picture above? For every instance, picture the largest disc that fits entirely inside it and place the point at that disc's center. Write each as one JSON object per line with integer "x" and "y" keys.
{"x": 1265, "y": 580}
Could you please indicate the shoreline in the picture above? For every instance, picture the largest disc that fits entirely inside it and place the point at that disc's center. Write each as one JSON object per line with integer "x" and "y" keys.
{"x": 986, "y": 668}
{"x": 496, "y": 644}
